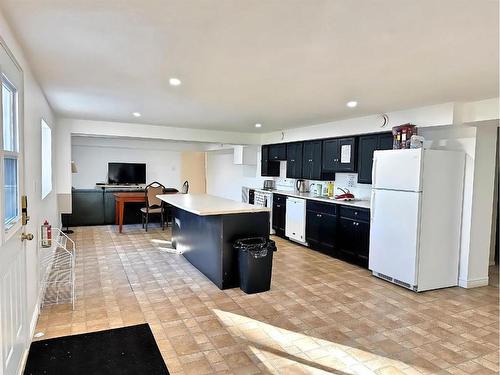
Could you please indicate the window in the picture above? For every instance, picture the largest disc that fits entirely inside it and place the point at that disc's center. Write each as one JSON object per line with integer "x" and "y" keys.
{"x": 10, "y": 150}
{"x": 46, "y": 159}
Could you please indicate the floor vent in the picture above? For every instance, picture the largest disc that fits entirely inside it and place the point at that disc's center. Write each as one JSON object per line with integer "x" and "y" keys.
{"x": 381, "y": 275}
{"x": 402, "y": 283}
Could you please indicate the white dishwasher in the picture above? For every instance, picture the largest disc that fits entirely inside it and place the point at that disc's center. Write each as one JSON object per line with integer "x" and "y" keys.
{"x": 295, "y": 224}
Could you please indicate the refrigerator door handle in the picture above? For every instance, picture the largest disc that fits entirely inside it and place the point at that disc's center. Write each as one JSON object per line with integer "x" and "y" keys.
{"x": 374, "y": 168}
{"x": 372, "y": 208}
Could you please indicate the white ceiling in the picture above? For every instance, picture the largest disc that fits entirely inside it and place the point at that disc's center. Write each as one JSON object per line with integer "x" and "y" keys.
{"x": 284, "y": 63}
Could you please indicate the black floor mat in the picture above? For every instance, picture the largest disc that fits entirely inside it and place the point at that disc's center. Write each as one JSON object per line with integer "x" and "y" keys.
{"x": 128, "y": 350}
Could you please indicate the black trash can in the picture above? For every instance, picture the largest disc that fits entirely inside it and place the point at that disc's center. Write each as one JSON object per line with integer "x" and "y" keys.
{"x": 256, "y": 263}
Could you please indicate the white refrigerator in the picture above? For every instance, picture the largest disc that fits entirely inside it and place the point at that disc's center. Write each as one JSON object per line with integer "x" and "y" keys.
{"x": 416, "y": 211}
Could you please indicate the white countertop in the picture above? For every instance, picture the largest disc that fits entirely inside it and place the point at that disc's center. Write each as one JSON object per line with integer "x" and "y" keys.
{"x": 204, "y": 204}
{"x": 313, "y": 196}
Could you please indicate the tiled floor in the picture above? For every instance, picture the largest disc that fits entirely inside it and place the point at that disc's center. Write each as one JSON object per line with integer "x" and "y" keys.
{"x": 321, "y": 316}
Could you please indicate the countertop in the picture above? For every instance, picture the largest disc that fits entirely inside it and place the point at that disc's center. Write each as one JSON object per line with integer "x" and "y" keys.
{"x": 313, "y": 196}
{"x": 204, "y": 204}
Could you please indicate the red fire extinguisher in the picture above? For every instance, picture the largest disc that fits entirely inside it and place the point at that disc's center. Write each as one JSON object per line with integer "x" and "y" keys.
{"x": 46, "y": 234}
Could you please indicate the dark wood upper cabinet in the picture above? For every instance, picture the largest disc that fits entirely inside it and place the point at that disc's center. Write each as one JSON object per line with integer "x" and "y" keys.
{"x": 385, "y": 141}
{"x": 268, "y": 168}
{"x": 311, "y": 160}
{"x": 277, "y": 152}
{"x": 368, "y": 144}
{"x": 330, "y": 154}
{"x": 339, "y": 155}
{"x": 294, "y": 160}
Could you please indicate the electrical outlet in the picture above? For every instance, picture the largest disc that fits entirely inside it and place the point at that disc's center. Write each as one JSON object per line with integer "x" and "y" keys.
{"x": 351, "y": 180}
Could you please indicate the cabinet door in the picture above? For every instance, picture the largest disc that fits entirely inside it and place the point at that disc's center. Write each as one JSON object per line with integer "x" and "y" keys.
{"x": 268, "y": 168}
{"x": 316, "y": 165}
{"x": 327, "y": 233}
{"x": 311, "y": 166}
{"x": 279, "y": 212}
{"x": 385, "y": 141}
{"x": 277, "y": 152}
{"x": 346, "y": 155}
{"x": 307, "y": 160}
{"x": 294, "y": 160}
{"x": 264, "y": 160}
{"x": 313, "y": 229}
{"x": 347, "y": 234}
{"x": 330, "y": 155}
{"x": 367, "y": 145}
{"x": 362, "y": 250}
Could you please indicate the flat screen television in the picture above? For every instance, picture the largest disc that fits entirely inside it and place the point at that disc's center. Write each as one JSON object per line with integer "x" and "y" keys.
{"x": 126, "y": 173}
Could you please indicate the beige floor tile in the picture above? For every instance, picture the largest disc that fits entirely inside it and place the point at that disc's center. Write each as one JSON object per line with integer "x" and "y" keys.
{"x": 321, "y": 316}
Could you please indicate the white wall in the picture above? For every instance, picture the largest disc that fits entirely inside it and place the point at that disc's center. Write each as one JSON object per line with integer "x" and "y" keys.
{"x": 36, "y": 107}
{"x": 163, "y": 159}
{"x": 225, "y": 179}
{"x": 71, "y": 127}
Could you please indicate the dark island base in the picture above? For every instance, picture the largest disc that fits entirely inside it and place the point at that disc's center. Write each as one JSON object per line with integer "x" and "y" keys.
{"x": 207, "y": 241}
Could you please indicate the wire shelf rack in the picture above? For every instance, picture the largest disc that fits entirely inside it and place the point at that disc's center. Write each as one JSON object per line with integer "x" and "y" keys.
{"x": 57, "y": 270}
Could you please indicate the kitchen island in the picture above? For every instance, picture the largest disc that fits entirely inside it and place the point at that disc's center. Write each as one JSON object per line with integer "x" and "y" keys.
{"x": 205, "y": 228}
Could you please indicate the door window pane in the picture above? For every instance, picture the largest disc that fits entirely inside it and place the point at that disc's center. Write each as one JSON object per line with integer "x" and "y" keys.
{"x": 11, "y": 190}
{"x": 9, "y": 120}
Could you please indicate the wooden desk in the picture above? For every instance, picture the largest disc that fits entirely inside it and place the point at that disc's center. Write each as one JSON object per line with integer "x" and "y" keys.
{"x": 125, "y": 197}
{"x": 120, "y": 200}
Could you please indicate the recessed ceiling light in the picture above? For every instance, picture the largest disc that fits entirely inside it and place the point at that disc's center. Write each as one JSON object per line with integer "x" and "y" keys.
{"x": 174, "y": 81}
{"x": 258, "y": 125}
{"x": 352, "y": 104}
{"x": 136, "y": 114}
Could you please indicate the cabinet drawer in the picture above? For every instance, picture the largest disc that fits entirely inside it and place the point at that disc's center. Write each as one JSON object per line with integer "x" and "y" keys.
{"x": 325, "y": 208}
{"x": 355, "y": 213}
{"x": 278, "y": 198}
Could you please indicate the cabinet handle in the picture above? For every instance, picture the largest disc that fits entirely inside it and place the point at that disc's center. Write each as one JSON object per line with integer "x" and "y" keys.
{"x": 292, "y": 159}
{"x": 319, "y": 215}
{"x": 310, "y": 160}
{"x": 278, "y": 205}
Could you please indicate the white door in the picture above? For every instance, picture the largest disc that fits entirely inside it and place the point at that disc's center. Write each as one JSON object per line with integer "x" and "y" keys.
{"x": 13, "y": 320}
{"x": 397, "y": 170}
{"x": 394, "y": 232}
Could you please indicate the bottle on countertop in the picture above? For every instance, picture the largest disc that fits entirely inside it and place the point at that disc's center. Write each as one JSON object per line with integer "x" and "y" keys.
{"x": 329, "y": 189}
{"x": 46, "y": 234}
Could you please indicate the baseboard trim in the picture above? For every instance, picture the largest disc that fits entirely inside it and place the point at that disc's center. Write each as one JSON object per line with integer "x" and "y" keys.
{"x": 473, "y": 283}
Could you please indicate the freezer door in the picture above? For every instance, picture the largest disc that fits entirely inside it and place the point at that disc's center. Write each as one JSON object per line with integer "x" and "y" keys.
{"x": 394, "y": 234}
{"x": 397, "y": 170}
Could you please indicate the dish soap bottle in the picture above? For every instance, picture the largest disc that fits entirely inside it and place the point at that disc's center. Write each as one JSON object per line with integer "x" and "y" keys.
{"x": 329, "y": 190}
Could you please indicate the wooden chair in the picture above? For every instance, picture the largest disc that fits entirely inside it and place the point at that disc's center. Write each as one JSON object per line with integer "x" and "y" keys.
{"x": 154, "y": 205}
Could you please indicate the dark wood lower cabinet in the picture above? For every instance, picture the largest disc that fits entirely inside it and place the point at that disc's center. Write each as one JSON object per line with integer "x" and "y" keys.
{"x": 279, "y": 214}
{"x": 336, "y": 230}
{"x": 354, "y": 236}
{"x": 321, "y": 227}
{"x": 339, "y": 231}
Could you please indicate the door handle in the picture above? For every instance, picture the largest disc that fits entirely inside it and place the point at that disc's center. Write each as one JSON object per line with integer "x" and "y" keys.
{"x": 27, "y": 236}
{"x": 374, "y": 169}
